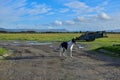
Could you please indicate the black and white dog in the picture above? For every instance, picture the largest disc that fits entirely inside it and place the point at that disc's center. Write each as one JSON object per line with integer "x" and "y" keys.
{"x": 67, "y": 46}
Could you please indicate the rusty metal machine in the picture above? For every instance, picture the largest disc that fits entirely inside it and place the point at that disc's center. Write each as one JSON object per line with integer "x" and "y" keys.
{"x": 91, "y": 36}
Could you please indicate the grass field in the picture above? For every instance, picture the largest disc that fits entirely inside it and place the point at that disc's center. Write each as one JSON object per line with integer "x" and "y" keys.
{"x": 2, "y": 51}
{"x": 106, "y": 43}
{"x": 43, "y": 37}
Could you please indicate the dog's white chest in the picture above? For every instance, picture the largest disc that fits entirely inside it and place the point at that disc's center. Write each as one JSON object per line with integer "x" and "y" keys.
{"x": 70, "y": 45}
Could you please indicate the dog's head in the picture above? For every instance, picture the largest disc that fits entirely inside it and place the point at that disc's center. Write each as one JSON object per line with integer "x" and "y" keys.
{"x": 74, "y": 40}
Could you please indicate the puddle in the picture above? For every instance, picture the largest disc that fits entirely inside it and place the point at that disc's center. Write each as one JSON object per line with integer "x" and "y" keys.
{"x": 15, "y": 44}
{"x": 51, "y": 46}
{"x": 81, "y": 46}
{"x": 19, "y": 43}
{"x": 38, "y": 43}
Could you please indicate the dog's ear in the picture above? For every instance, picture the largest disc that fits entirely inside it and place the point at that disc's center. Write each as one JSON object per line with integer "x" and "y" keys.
{"x": 74, "y": 40}
{"x": 77, "y": 38}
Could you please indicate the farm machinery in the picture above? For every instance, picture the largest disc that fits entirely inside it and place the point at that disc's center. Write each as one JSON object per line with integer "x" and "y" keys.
{"x": 91, "y": 36}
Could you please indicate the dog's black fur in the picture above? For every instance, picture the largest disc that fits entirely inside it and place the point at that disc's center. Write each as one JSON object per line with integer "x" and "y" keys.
{"x": 65, "y": 44}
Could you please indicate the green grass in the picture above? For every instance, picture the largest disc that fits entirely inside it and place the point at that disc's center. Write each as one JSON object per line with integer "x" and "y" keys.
{"x": 105, "y": 43}
{"x": 113, "y": 51}
{"x": 112, "y": 48}
{"x": 3, "y": 51}
{"x": 39, "y": 37}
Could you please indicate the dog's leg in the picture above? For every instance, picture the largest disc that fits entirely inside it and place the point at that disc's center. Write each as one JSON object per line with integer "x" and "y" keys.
{"x": 61, "y": 51}
{"x": 64, "y": 52}
{"x": 71, "y": 51}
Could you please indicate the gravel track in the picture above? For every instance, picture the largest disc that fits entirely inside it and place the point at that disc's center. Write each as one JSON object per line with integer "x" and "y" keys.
{"x": 42, "y": 62}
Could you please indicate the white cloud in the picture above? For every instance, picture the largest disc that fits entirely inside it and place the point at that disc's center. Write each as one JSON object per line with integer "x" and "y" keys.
{"x": 39, "y": 9}
{"x": 64, "y": 10}
{"x": 83, "y": 8}
{"x": 76, "y": 5}
{"x": 50, "y": 27}
{"x": 86, "y": 20}
{"x": 104, "y": 16}
{"x": 93, "y": 17}
{"x": 81, "y": 15}
{"x": 72, "y": 5}
{"x": 90, "y": 22}
{"x": 50, "y": 13}
{"x": 69, "y": 22}
{"x": 58, "y": 23}
{"x": 80, "y": 18}
{"x": 17, "y": 10}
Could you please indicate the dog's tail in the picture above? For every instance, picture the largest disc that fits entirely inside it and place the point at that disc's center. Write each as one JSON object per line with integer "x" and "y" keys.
{"x": 59, "y": 47}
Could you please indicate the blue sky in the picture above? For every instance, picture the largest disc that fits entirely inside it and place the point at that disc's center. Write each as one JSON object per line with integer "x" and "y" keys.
{"x": 73, "y": 15}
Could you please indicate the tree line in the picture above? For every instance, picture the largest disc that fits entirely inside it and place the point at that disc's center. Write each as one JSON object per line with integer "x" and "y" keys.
{"x": 51, "y": 32}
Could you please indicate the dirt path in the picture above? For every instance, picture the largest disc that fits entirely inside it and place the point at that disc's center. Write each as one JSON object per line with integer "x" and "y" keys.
{"x": 42, "y": 62}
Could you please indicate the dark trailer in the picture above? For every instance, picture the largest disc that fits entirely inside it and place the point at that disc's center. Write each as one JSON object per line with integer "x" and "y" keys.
{"x": 91, "y": 36}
